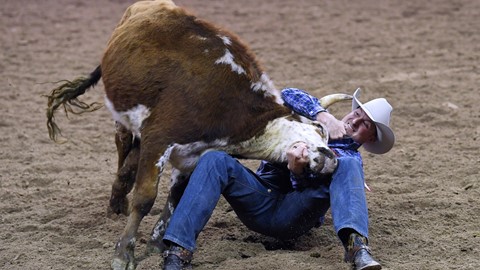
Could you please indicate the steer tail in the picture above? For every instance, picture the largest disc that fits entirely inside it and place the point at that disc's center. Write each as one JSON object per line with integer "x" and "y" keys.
{"x": 66, "y": 95}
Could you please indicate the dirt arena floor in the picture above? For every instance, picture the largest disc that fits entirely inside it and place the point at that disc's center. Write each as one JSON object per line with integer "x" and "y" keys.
{"x": 423, "y": 56}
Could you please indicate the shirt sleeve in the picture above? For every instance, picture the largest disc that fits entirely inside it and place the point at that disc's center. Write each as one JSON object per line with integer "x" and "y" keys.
{"x": 275, "y": 175}
{"x": 302, "y": 103}
{"x": 278, "y": 176}
{"x": 304, "y": 180}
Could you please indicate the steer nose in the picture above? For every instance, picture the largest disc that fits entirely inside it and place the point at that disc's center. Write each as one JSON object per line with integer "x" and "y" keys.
{"x": 326, "y": 162}
{"x": 326, "y": 151}
{"x": 319, "y": 161}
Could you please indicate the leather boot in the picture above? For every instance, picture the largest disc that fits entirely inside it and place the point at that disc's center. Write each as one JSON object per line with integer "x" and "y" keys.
{"x": 177, "y": 258}
{"x": 358, "y": 254}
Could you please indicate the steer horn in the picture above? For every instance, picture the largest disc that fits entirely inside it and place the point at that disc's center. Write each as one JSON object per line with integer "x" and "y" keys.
{"x": 326, "y": 101}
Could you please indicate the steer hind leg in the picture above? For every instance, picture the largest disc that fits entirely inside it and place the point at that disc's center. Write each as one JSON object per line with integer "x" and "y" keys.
{"x": 144, "y": 194}
{"x": 179, "y": 182}
{"x": 128, "y": 150}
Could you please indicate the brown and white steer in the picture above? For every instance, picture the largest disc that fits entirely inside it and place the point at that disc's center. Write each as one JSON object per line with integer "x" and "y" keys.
{"x": 178, "y": 86}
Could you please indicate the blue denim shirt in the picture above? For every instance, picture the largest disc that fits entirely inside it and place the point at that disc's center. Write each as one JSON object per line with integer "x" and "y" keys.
{"x": 277, "y": 175}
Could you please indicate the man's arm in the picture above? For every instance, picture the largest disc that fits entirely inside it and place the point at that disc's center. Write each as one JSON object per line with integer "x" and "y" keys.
{"x": 297, "y": 163}
{"x": 302, "y": 103}
{"x": 335, "y": 127}
{"x": 307, "y": 105}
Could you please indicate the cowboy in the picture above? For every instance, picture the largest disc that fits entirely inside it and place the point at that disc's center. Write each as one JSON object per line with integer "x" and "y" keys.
{"x": 287, "y": 200}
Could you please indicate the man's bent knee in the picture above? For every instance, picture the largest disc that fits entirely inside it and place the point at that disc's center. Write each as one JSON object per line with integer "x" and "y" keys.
{"x": 214, "y": 156}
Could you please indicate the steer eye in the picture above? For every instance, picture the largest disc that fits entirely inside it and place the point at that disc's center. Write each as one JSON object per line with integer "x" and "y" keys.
{"x": 320, "y": 129}
{"x": 317, "y": 124}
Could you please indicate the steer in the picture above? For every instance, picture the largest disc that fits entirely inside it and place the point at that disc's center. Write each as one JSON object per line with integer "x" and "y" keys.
{"x": 178, "y": 86}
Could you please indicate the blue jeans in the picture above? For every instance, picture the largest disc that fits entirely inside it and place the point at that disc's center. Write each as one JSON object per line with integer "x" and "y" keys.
{"x": 262, "y": 209}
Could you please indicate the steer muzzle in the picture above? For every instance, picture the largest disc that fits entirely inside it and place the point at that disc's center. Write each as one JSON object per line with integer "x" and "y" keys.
{"x": 323, "y": 161}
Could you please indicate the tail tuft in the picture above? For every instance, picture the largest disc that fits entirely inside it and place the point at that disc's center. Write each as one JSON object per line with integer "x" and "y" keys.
{"x": 66, "y": 95}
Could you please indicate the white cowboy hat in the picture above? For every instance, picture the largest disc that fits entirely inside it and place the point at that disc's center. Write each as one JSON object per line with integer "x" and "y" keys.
{"x": 379, "y": 111}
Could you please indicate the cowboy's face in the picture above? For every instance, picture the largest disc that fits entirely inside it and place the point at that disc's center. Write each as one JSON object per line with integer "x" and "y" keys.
{"x": 360, "y": 127}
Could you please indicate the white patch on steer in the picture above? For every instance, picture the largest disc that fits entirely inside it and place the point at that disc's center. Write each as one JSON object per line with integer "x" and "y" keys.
{"x": 164, "y": 159}
{"x": 131, "y": 119}
{"x": 159, "y": 227}
{"x": 227, "y": 59}
{"x": 174, "y": 177}
{"x": 266, "y": 85}
{"x": 198, "y": 37}
{"x": 171, "y": 208}
{"x": 280, "y": 134}
{"x": 226, "y": 40}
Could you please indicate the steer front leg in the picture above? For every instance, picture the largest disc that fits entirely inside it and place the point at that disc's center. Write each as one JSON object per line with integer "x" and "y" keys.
{"x": 179, "y": 182}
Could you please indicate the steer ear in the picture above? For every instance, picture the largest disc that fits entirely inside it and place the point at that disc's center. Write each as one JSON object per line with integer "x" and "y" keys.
{"x": 326, "y": 101}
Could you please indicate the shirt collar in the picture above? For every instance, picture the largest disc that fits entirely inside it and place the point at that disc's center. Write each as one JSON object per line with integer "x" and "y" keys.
{"x": 346, "y": 143}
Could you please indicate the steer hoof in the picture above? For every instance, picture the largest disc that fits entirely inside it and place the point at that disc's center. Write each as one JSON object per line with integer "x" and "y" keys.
{"x": 123, "y": 260}
{"x": 124, "y": 257}
{"x": 155, "y": 247}
{"x": 119, "y": 264}
{"x": 119, "y": 206}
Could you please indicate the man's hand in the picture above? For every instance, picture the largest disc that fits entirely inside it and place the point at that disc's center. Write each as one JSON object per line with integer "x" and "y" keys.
{"x": 297, "y": 157}
{"x": 336, "y": 128}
